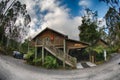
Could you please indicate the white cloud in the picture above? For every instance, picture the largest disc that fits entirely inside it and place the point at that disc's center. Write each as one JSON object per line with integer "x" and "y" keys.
{"x": 101, "y": 22}
{"x": 85, "y": 3}
{"x": 57, "y": 17}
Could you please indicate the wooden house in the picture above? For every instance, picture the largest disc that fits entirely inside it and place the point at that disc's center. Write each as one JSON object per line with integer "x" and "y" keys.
{"x": 102, "y": 43}
{"x": 59, "y": 45}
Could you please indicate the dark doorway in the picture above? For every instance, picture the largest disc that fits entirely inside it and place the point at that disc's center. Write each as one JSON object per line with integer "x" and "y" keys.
{"x": 39, "y": 51}
{"x": 79, "y": 54}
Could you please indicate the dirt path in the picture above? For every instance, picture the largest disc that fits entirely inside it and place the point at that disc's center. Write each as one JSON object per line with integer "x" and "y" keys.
{"x": 15, "y": 69}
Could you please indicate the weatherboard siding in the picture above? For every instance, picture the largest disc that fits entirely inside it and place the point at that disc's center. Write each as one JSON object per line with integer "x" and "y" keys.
{"x": 56, "y": 39}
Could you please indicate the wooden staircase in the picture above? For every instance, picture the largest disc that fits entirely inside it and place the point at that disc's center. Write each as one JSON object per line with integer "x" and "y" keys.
{"x": 67, "y": 59}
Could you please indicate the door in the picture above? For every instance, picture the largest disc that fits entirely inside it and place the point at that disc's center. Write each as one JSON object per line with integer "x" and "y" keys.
{"x": 46, "y": 40}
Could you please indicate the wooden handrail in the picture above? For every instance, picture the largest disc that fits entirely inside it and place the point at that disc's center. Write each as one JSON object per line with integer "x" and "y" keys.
{"x": 57, "y": 52}
{"x": 60, "y": 53}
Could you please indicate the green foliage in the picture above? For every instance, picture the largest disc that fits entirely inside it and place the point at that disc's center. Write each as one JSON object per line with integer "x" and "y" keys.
{"x": 98, "y": 49}
{"x": 29, "y": 56}
{"x": 100, "y": 57}
{"x": 37, "y": 61}
{"x": 100, "y": 52}
{"x": 2, "y": 50}
{"x": 50, "y": 62}
{"x": 112, "y": 18}
{"x": 113, "y": 24}
{"x": 88, "y": 28}
{"x": 8, "y": 17}
{"x": 112, "y": 49}
{"x": 25, "y": 46}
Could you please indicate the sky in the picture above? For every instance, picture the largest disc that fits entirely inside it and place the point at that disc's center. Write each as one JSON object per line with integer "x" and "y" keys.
{"x": 63, "y": 16}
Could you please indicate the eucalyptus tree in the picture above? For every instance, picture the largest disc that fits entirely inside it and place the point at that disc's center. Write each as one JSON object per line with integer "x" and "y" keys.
{"x": 113, "y": 24}
{"x": 113, "y": 4}
{"x": 15, "y": 20}
{"x": 3, "y": 5}
{"x": 113, "y": 21}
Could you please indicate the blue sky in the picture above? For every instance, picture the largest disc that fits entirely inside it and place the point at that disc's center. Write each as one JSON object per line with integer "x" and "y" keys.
{"x": 62, "y": 15}
{"x": 94, "y": 5}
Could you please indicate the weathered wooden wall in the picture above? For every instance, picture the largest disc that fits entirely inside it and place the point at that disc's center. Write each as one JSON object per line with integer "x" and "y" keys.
{"x": 55, "y": 38}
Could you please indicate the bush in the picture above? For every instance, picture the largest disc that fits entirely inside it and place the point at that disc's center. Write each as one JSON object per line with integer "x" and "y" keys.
{"x": 98, "y": 51}
{"x": 112, "y": 49}
{"x": 100, "y": 57}
{"x": 37, "y": 61}
{"x": 8, "y": 50}
{"x": 2, "y": 50}
{"x": 50, "y": 62}
{"x": 29, "y": 56}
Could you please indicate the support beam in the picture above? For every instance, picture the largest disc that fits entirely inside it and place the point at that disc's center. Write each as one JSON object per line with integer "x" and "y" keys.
{"x": 64, "y": 44}
{"x": 93, "y": 60}
{"x": 90, "y": 57}
{"x": 35, "y": 49}
{"x": 28, "y": 48}
{"x": 43, "y": 54}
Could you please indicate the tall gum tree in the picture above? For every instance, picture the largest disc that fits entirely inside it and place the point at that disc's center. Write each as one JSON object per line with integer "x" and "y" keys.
{"x": 113, "y": 21}
{"x": 14, "y": 20}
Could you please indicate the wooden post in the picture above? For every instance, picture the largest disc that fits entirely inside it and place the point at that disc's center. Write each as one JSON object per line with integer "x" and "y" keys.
{"x": 36, "y": 49}
{"x": 92, "y": 59}
{"x": 64, "y": 44}
{"x": 43, "y": 53}
{"x": 28, "y": 47}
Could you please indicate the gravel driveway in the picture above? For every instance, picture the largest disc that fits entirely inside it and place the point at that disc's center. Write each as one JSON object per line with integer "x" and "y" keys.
{"x": 15, "y": 69}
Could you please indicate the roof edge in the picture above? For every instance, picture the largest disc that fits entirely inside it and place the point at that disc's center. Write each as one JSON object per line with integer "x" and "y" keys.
{"x": 51, "y": 30}
{"x": 78, "y": 41}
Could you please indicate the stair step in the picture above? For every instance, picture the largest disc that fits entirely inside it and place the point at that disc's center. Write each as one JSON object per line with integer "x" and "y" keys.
{"x": 85, "y": 65}
{"x": 60, "y": 57}
{"x": 81, "y": 65}
{"x": 69, "y": 60}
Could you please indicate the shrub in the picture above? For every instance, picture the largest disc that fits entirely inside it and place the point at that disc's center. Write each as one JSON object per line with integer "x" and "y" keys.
{"x": 112, "y": 49}
{"x": 2, "y": 50}
{"x": 29, "y": 56}
{"x": 37, "y": 61}
{"x": 100, "y": 57}
{"x": 50, "y": 62}
{"x": 98, "y": 50}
